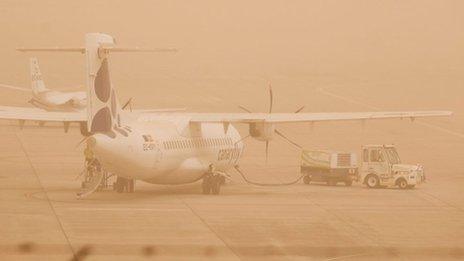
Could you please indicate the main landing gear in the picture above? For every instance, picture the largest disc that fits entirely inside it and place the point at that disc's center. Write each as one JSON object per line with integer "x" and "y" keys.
{"x": 124, "y": 185}
{"x": 212, "y": 183}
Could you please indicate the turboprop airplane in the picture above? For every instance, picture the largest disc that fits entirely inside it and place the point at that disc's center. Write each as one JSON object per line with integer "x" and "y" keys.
{"x": 47, "y": 99}
{"x": 169, "y": 148}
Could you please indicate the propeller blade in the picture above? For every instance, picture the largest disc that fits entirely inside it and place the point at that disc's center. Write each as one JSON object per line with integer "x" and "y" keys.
{"x": 267, "y": 151}
{"x": 245, "y": 109}
{"x": 82, "y": 141}
{"x": 128, "y": 103}
{"x": 287, "y": 139}
{"x": 300, "y": 109}
{"x": 271, "y": 98}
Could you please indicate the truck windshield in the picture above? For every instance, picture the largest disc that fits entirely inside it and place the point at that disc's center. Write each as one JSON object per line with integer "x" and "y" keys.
{"x": 393, "y": 156}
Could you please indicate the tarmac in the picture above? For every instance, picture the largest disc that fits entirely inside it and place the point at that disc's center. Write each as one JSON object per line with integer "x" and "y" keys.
{"x": 42, "y": 219}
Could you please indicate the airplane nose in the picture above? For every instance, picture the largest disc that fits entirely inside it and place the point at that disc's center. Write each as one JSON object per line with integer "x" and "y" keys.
{"x": 100, "y": 142}
{"x": 91, "y": 142}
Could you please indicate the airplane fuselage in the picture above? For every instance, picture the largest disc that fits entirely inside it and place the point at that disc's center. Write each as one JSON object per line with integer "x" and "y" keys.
{"x": 168, "y": 151}
{"x": 59, "y": 101}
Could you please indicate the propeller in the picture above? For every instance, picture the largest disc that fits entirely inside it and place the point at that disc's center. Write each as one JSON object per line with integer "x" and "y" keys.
{"x": 82, "y": 141}
{"x": 300, "y": 109}
{"x": 271, "y": 104}
{"x": 271, "y": 98}
{"x": 128, "y": 103}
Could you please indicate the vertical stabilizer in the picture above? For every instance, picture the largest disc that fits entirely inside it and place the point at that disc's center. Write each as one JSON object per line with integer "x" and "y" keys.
{"x": 102, "y": 107}
{"x": 37, "y": 83}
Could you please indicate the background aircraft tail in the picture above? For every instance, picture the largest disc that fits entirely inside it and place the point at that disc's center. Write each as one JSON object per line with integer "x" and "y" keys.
{"x": 37, "y": 83}
{"x": 103, "y": 111}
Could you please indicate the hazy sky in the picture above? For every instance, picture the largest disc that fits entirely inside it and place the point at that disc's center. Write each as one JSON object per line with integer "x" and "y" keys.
{"x": 240, "y": 39}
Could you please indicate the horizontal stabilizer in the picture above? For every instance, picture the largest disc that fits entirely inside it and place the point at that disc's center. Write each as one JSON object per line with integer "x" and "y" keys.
{"x": 102, "y": 48}
{"x": 53, "y": 49}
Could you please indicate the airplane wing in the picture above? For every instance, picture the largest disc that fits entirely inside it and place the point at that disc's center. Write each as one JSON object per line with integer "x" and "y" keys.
{"x": 15, "y": 88}
{"x": 292, "y": 117}
{"x": 58, "y": 98}
{"x": 35, "y": 114}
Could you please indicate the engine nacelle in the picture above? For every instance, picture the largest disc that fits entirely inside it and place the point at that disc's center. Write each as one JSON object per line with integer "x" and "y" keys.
{"x": 262, "y": 131}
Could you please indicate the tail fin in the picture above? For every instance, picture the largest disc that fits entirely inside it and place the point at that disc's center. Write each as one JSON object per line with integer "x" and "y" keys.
{"x": 37, "y": 83}
{"x": 103, "y": 111}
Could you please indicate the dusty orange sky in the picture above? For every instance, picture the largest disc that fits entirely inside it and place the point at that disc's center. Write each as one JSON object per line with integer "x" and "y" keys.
{"x": 265, "y": 39}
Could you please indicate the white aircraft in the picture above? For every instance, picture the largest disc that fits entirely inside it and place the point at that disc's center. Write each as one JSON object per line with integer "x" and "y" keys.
{"x": 47, "y": 99}
{"x": 165, "y": 147}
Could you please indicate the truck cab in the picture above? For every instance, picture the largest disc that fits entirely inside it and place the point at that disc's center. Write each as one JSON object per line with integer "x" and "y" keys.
{"x": 381, "y": 167}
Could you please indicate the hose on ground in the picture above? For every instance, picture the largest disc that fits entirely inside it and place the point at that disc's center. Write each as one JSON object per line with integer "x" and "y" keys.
{"x": 267, "y": 184}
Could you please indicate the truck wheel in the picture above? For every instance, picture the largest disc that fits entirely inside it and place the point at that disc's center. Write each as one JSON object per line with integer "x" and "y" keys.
{"x": 348, "y": 183}
{"x": 402, "y": 183}
{"x": 372, "y": 181}
{"x": 306, "y": 180}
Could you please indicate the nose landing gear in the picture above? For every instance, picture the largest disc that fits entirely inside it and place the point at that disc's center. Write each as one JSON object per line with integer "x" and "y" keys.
{"x": 124, "y": 185}
{"x": 212, "y": 184}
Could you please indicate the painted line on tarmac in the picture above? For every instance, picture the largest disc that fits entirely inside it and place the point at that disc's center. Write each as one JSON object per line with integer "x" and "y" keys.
{"x": 348, "y": 256}
{"x": 52, "y": 207}
{"x": 129, "y": 209}
{"x": 353, "y": 101}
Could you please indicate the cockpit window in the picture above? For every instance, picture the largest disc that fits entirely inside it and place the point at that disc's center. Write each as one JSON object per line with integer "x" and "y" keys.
{"x": 147, "y": 138}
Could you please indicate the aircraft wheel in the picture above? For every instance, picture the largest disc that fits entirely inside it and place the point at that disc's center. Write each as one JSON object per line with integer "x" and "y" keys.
{"x": 120, "y": 184}
{"x": 222, "y": 180}
{"x": 216, "y": 185}
{"x": 206, "y": 185}
{"x": 131, "y": 186}
{"x": 119, "y": 187}
{"x": 306, "y": 179}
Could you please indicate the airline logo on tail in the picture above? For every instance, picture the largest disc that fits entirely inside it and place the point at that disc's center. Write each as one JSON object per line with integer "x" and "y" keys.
{"x": 37, "y": 83}
{"x": 102, "y": 107}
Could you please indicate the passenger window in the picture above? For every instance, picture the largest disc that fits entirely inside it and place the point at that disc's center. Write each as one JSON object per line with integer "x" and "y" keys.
{"x": 365, "y": 155}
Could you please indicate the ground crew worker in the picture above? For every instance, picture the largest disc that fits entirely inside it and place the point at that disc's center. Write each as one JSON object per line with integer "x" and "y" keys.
{"x": 89, "y": 156}
{"x": 211, "y": 170}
